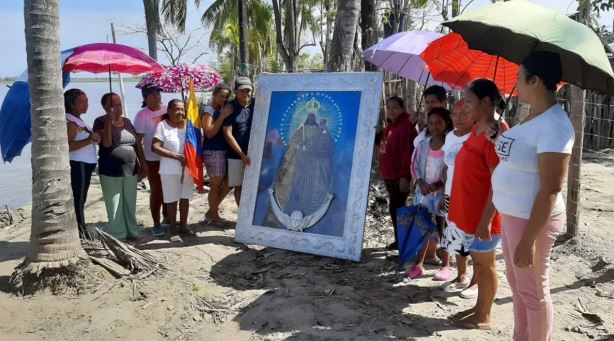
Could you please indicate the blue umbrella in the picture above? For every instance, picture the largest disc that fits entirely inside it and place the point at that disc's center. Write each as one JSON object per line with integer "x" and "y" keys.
{"x": 15, "y": 124}
{"x": 414, "y": 227}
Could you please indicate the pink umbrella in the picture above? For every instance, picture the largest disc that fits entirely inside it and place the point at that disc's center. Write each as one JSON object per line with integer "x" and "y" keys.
{"x": 176, "y": 78}
{"x": 105, "y": 57}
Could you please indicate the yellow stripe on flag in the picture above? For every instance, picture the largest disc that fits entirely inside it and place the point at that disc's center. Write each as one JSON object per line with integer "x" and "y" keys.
{"x": 192, "y": 107}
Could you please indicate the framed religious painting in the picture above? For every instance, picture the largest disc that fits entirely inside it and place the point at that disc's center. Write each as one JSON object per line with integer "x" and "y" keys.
{"x": 311, "y": 148}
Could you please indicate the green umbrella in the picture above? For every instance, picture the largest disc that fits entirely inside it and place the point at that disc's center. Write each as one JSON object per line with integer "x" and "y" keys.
{"x": 513, "y": 29}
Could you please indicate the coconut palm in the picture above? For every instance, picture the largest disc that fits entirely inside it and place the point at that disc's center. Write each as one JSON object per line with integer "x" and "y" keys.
{"x": 54, "y": 238}
{"x": 152, "y": 22}
{"x": 222, "y": 17}
{"x": 259, "y": 37}
{"x": 346, "y": 28}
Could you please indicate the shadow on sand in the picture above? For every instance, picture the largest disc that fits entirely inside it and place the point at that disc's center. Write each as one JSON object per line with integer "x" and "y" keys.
{"x": 313, "y": 297}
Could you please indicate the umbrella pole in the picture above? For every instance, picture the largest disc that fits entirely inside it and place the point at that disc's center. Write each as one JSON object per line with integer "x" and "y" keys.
{"x": 110, "y": 87}
{"x": 494, "y": 78}
{"x": 428, "y": 75}
{"x": 507, "y": 102}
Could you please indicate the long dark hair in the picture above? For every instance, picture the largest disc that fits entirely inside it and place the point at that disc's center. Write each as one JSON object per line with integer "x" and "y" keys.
{"x": 70, "y": 97}
{"x": 483, "y": 88}
{"x": 171, "y": 104}
{"x": 445, "y": 116}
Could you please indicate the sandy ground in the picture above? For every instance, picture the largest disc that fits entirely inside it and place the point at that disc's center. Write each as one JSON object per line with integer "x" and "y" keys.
{"x": 222, "y": 290}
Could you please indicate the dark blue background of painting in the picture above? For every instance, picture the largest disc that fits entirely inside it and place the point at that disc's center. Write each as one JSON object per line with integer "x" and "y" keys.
{"x": 349, "y": 103}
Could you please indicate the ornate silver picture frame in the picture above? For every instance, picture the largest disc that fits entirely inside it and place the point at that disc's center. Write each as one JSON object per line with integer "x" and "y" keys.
{"x": 311, "y": 148}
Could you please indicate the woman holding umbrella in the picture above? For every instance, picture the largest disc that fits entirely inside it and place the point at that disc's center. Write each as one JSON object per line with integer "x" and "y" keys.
{"x": 527, "y": 187}
{"x": 119, "y": 157}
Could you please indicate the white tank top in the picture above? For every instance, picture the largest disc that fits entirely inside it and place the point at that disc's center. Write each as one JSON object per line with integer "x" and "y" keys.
{"x": 86, "y": 154}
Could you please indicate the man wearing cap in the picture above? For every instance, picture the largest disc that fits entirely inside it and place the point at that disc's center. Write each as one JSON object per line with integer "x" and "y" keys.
{"x": 145, "y": 123}
{"x": 237, "y": 128}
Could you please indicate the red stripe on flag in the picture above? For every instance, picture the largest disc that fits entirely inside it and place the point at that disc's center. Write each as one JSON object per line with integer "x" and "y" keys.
{"x": 194, "y": 163}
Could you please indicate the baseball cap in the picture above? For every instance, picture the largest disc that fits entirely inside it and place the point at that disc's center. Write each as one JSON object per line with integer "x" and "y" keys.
{"x": 149, "y": 89}
{"x": 243, "y": 83}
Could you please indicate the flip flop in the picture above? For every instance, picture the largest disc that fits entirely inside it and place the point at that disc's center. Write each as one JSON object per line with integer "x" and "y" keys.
{"x": 414, "y": 272}
{"x": 443, "y": 274}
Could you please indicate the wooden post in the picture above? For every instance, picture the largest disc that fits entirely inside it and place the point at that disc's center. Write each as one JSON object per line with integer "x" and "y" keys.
{"x": 576, "y": 99}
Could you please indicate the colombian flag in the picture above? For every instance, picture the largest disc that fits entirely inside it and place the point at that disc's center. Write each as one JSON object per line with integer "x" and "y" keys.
{"x": 193, "y": 148}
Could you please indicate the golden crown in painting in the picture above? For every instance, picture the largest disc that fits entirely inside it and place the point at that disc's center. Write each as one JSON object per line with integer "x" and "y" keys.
{"x": 313, "y": 106}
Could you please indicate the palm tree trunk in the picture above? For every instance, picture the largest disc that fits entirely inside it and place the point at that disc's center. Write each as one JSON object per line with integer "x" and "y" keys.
{"x": 54, "y": 239}
{"x": 342, "y": 46}
{"x": 368, "y": 24}
{"x": 243, "y": 53}
{"x": 152, "y": 22}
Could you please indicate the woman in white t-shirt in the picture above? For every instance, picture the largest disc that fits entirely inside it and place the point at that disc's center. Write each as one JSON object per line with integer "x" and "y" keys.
{"x": 82, "y": 152}
{"x": 145, "y": 123}
{"x": 451, "y": 236}
{"x": 527, "y": 187}
{"x": 177, "y": 182}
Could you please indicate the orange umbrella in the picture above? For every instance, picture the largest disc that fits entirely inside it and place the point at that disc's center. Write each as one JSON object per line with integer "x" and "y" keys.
{"x": 450, "y": 60}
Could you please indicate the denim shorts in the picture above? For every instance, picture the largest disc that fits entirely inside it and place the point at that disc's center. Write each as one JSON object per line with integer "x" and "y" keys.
{"x": 459, "y": 242}
{"x": 431, "y": 202}
{"x": 480, "y": 246}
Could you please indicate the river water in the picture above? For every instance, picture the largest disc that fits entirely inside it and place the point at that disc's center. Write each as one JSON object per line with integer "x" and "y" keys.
{"x": 16, "y": 177}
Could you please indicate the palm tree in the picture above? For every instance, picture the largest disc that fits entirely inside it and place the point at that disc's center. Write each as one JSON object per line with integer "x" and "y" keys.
{"x": 54, "y": 239}
{"x": 296, "y": 17}
{"x": 225, "y": 39}
{"x": 346, "y": 28}
{"x": 152, "y": 22}
{"x": 222, "y": 16}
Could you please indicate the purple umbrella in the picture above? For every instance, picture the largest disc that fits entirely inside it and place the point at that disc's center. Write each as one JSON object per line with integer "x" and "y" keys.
{"x": 400, "y": 54}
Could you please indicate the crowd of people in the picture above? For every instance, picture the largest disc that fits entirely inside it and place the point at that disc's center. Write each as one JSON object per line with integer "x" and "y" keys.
{"x": 485, "y": 185}
{"x": 153, "y": 147}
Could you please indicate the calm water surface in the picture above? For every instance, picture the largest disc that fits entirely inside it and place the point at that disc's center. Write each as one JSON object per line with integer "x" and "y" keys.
{"x": 16, "y": 177}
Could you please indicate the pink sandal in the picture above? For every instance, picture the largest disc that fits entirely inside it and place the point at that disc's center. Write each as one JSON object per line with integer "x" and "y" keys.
{"x": 443, "y": 274}
{"x": 414, "y": 272}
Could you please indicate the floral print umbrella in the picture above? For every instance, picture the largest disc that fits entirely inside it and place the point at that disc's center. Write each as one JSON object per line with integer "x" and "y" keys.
{"x": 176, "y": 78}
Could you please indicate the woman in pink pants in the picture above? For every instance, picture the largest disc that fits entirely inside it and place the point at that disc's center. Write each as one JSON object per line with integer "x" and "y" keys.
{"x": 534, "y": 156}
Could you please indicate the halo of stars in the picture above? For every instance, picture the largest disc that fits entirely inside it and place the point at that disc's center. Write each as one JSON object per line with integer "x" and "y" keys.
{"x": 296, "y": 113}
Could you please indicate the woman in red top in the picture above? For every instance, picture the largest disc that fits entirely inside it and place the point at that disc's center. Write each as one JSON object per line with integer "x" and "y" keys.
{"x": 471, "y": 208}
{"x": 395, "y": 149}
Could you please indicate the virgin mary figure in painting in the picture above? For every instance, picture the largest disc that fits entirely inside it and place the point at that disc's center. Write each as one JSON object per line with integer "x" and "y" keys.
{"x": 304, "y": 182}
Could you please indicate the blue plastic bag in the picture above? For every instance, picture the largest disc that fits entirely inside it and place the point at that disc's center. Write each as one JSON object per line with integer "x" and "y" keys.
{"x": 414, "y": 227}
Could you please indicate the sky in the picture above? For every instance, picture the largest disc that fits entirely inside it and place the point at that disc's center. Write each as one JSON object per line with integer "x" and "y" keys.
{"x": 88, "y": 21}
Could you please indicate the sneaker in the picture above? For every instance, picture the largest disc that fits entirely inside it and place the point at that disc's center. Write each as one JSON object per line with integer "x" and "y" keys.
{"x": 443, "y": 274}
{"x": 159, "y": 230}
{"x": 414, "y": 272}
{"x": 176, "y": 239}
{"x": 455, "y": 286}
{"x": 469, "y": 292}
